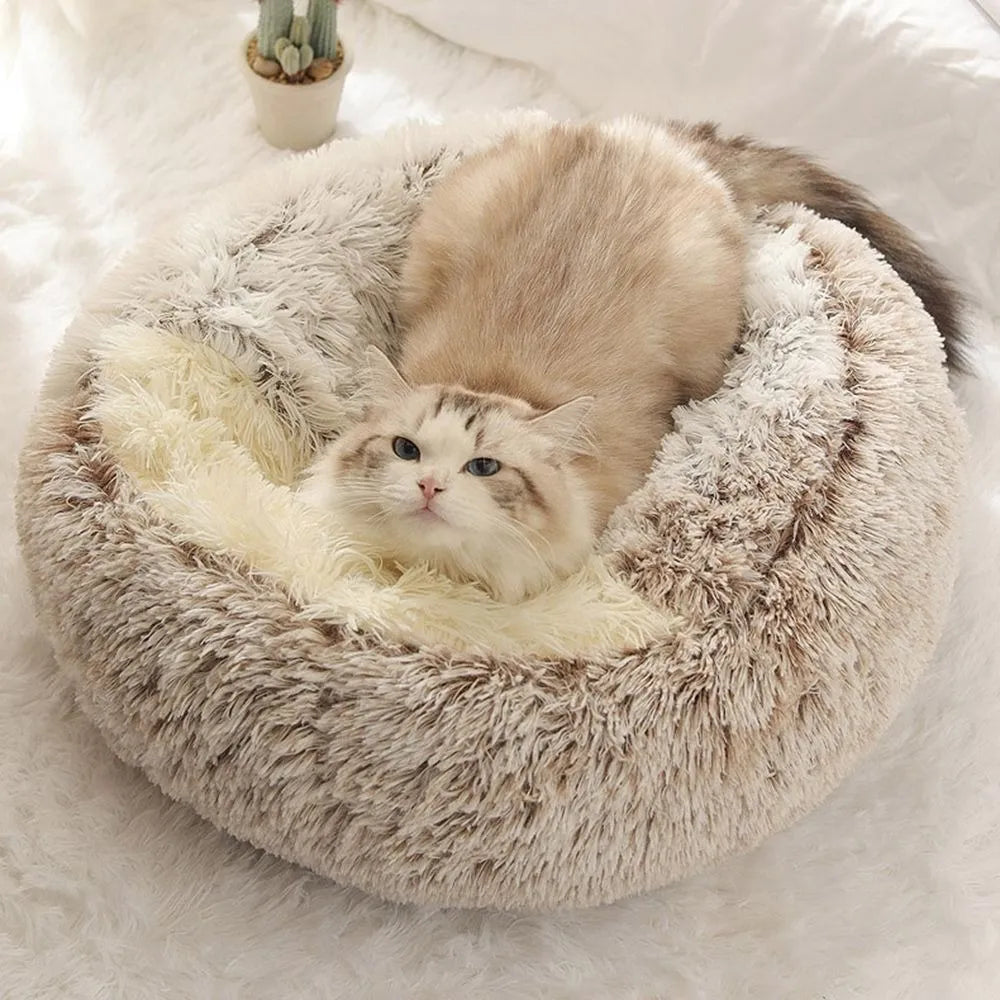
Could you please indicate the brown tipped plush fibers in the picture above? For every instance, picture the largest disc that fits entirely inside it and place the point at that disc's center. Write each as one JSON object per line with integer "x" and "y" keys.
{"x": 781, "y": 575}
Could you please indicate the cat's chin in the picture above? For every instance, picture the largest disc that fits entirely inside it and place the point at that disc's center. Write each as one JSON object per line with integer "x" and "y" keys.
{"x": 426, "y": 516}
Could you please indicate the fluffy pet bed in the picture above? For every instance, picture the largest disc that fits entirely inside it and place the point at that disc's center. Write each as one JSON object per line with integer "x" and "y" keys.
{"x": 758, "y": 611}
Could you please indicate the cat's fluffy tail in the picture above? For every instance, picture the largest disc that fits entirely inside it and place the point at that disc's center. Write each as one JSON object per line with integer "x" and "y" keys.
{"x": 759, "y": 174}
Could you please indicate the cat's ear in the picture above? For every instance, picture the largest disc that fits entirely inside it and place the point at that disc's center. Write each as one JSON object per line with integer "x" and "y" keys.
{"x": 383, "y": 383}
{"x": 568, "y": 426}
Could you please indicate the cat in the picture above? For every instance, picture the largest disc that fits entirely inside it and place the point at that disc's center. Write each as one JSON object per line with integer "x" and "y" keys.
{"x": 562, "y": 293}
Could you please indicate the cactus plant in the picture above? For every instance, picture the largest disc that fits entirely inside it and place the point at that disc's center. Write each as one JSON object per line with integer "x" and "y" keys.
{"x": 295, "y": 68}
{"x": 322, "y": 16}
{"x": 290, "y": 44}
{"x": 274, "y": 20}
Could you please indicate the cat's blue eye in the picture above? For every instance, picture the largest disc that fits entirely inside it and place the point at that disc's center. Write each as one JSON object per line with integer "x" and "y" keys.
{"x": 405, "y": 449}
{"x": 482, "y": 467}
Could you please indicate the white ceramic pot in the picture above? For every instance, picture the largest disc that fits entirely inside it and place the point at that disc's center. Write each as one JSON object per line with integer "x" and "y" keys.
{"x": 296, "y": 116}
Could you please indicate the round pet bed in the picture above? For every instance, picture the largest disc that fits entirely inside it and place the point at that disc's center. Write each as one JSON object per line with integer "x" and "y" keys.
{"x": 756, "y": 615}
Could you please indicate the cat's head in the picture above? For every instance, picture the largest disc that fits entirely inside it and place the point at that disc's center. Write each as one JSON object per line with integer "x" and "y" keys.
{"x": 479, "y": 486}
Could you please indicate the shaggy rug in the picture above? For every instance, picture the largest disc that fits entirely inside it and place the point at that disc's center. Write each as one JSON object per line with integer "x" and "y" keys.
{"x": 108, "y": 889}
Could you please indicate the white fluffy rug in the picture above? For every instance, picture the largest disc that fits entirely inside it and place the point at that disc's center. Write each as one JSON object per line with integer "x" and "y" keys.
{"x": 115, "y": 114}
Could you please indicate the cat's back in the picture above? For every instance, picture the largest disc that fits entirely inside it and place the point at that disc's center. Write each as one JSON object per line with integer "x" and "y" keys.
{"x": 572, "y": 247}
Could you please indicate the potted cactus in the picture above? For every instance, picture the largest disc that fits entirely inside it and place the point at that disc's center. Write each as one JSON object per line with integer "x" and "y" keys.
{"x": 295, "y": 66}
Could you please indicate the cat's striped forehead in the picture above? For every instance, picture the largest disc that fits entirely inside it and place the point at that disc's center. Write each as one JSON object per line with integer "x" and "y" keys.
{"x": 478, "y": 416}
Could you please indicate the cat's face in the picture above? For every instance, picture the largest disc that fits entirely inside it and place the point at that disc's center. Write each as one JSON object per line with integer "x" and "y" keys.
{"x": 479, "y": 486}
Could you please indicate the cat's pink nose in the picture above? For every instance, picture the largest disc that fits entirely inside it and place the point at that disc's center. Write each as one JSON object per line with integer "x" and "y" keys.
{"x": 429, "y": 487}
